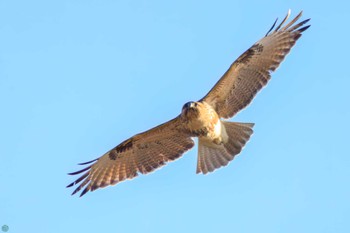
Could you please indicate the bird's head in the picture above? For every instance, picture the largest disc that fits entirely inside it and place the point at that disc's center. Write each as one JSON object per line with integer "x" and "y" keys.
{"x": 189, "y": 108}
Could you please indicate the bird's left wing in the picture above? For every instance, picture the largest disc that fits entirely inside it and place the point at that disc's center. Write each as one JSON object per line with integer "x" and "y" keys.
{"x": 142, "y": 153}
{"x": 251, "y": 71}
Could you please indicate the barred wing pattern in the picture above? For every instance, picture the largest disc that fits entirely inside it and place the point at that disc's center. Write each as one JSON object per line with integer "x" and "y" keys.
{"x": 147, "y": 151}
{"x": 142, "y": 153}
{"x": 251, "y": 71}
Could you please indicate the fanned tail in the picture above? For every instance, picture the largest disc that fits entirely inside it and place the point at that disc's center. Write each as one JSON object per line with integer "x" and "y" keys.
{"x": 212, "y": 156}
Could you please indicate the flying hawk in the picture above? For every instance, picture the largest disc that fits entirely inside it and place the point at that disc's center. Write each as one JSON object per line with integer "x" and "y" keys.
{"x": 219, "y": 141}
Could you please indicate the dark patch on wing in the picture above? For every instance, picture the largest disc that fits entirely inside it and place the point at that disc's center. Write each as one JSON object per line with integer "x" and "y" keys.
{"x": 142, "y": 146}
{"x": 122, "y": 147}
{"x": 259, "y": 48}
{"x": 245, "y": 57}
{"x": 113, "y": 154}
{"x": 200, "y": 132}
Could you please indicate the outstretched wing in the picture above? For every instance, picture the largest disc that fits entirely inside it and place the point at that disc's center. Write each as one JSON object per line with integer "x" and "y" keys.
{"x": 251, "y": 71}
{"x": 142, "y": 153}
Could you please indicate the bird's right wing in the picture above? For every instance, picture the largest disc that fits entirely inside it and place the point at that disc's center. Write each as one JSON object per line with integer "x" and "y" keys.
{"x": 142, "y": 153}
{"x": 251, "y": 71}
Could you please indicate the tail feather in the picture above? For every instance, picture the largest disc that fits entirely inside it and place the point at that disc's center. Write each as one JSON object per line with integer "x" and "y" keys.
{"x": 238, "y": 135}
{"x": 212, "y": 156}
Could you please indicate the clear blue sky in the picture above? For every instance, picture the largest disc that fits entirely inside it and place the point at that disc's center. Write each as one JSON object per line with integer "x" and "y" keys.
{"x": 78, "y": 77}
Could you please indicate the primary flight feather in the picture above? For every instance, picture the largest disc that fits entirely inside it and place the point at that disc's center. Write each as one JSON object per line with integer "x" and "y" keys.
{"x": 218, "y": 141}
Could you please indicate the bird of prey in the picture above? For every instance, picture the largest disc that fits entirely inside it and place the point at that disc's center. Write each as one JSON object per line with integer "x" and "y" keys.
{"x": 219, "y": 141}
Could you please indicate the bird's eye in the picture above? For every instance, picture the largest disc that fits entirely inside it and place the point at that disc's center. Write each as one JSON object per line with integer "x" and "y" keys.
{"x": 195, "y": 104}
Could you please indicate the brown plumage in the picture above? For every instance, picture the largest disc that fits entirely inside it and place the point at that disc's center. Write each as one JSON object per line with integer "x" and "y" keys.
{"x": 218, "y": 141}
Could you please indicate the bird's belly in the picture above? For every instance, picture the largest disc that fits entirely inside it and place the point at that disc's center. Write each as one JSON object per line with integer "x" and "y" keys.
{"x": 210, "y": 131}
{"x": 216, "y": 133}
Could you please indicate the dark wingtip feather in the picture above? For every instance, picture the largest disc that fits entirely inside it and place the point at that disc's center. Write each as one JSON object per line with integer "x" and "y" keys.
{"x": 76, "y": 190}
{"x": 85, "y": 182}
{"x": 304, "y": 28}
{"x": 295, "y": 27}
{"x": 84, "y": 192}
{"x": 273, "y": 25}
{"x": 306, "y": 20}
{"x": 80, "y": 171}
{"x": 87, "y": 162}
{"x": 78, "y": 180}
{"x": 303, "y": 22}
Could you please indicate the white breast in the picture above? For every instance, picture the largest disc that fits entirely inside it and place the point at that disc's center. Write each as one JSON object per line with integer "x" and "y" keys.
{"x": 220, "y": 131}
